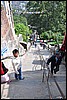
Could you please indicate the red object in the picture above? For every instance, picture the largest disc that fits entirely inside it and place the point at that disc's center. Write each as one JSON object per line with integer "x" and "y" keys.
{"x": 63, "y": 47}
{"x": 2, "y": 72}
{"x": 64, "y": 40}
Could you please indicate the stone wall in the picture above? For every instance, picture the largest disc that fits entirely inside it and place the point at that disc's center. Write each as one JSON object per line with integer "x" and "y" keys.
{"x": 8, "y": 36}
{"x": 9, "y": 40}
{"x": 4, "y": 22}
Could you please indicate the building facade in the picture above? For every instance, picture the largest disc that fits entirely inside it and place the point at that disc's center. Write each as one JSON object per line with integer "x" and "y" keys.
{"x": 9, "y": 40}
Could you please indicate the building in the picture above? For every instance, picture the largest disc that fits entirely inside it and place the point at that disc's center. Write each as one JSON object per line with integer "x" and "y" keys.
{"x": 9, "y": 40}
{"x": 7, "y": 28}
{"x": 19, "y": 6}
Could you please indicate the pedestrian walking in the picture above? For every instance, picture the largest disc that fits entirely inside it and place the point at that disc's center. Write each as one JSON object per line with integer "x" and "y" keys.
{"x": 17, "y": 65}
{"x": 35, "y": 44}
{"x": 55, "y": 62}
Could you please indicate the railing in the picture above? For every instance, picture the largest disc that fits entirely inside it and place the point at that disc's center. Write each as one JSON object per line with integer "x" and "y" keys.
{"x": 47, "y": 73}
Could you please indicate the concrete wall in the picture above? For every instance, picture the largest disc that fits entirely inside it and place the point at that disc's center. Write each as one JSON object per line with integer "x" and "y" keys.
{"x": 9, "y": 40}
{"x": 4, "y": 23}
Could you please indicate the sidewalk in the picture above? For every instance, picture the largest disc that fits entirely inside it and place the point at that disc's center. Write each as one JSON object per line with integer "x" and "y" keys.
{"x": 32, "y": 86}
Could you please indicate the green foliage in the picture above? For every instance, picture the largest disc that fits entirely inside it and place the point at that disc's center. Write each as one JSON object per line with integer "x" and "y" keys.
{"x": 53, "y": 17}
{"x": 21, "y": 26}
{"x": 44, "y": 35}
{"x": 50, "y": 24}
{"x": 19, "y": 19}
{"x": 22, "y": 29}
{"x": 57, "y": 36}
{"x": 60, "y": 38}
{"x": 52, "y": 43}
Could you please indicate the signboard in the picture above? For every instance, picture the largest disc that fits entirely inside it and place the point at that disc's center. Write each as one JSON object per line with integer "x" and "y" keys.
{"x": 4, "y": 50}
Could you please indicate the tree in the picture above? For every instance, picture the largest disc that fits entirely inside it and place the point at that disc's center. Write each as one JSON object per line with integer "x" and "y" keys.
{"x": 22, "y": 29}
{"x": 21, "y": 26}
{"x": 45, "y": 35}
{"x": 19, "y": 19}
{"x": 53, "y": 17}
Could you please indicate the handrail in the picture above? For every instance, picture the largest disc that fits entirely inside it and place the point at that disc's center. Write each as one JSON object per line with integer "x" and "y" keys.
{"x": 50, "y": 95}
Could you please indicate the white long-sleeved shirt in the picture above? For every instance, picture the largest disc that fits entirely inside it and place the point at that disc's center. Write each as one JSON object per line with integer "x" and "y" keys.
{"x": 16, "y": 62}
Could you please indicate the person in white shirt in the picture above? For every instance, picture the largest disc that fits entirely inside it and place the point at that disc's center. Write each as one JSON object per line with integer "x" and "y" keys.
{"x": 17, "y": 64}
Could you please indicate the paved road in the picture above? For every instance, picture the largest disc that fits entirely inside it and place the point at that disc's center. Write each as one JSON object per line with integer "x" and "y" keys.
{"x": 32, "y": 86}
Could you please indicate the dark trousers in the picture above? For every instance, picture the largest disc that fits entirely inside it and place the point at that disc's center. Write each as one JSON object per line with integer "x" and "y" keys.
{"x": 18, "y": 76}
{"x": 56, "y": 69}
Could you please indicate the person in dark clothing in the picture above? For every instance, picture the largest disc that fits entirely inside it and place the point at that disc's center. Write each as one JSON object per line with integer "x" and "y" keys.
{"x": 35, "y": 44}
{"x": 55, "y": 62}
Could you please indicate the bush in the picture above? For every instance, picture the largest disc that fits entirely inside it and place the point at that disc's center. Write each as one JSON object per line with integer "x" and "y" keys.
{"x": 60, "y": 38}
{"x": 45, "y": 35}
{"x": 52, "y": 43}
{"x": 22, "y": 29}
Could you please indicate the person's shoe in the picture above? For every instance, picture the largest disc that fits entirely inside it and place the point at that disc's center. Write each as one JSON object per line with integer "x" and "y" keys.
{"x": 57, "y": 70}
{"x": 16, "y": 78}
{"x": 54, "y": 72}
{"x": 22, "y": 78}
